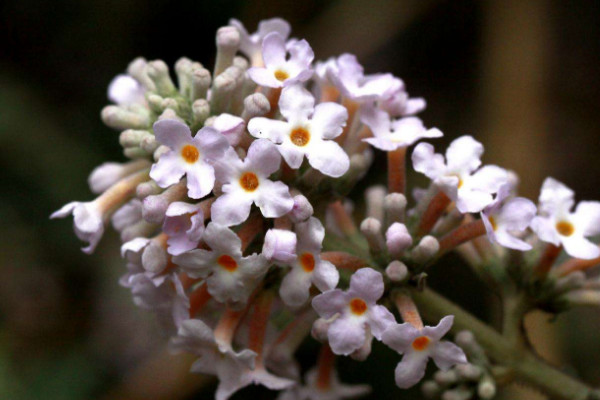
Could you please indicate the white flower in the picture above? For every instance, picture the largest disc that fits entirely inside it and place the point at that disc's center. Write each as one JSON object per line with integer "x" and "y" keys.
{"x": 124, "y": 90}
{"x": 354, "y": 311}
{"x": 184, "y": 224}
{"x": 133, "y": 252}
{"x": 308, "y": 268}
{"x": 558, "y": 225}
{"x": 231, "y": 126}
{"x": 398, "y": 104}
{"x": 88, "y": 222}
{"x": 458, "y": 176}
{"x": 308, "y": 131}
{"x": 189, "y": 155}
{"x": 229, "y": 275}
{"x": 280, "y": 246}
{"x": 417, "y": 346}
{"x": 246, "y": 182}
{"x": 501, "y": 218}
{"x": 391, "y": 134}
{"x": 251, "y": 44}
{"x": 280, "y": 71}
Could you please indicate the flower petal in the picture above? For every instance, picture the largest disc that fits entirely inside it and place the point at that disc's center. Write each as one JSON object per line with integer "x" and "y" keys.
{"x": 346, "y": 335}
{"x": 274, "y": 199}
{"x": 168, "y": 170}
{"x": 329, "y": 158}
{"x": 231, "y": 209}
{"x": 330, "y": 303}
{"x": 447, "y": 354}
{"x": 329, "y": 120}
{"x": 464, "y": 154}
{"x": 273, "y": 130}
{"x": 296, "y": 104}
{"x": 411, "y": 369}
{"x": 367, "y": 284}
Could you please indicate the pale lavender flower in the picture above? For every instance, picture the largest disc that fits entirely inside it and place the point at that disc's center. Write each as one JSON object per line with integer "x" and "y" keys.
{"x": 558, "y": 225}
{"x": 280, "y": 246}
{"x": 354, "y": 311}
{"x": 189, "y": 155}
{"x": 280, "y": 71}
{"x": 246, "y": 182}
{"x": 398, "y": 104}
{"x": 251, "y": 44}
{"x": 231, "y": 126}
{"x": 88, "y": 222}
{"x": 417, "y": 346}
{"x": 124, "y": 90}
{"x": 184, "y": 224}
{"x": 308, "y": 131}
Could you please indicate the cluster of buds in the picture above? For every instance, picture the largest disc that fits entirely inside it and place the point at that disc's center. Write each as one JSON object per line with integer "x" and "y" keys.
{"x": 241, "y": 286}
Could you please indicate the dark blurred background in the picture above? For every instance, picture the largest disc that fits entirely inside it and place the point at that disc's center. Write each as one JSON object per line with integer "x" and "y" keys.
{"x": 522, "y": 76}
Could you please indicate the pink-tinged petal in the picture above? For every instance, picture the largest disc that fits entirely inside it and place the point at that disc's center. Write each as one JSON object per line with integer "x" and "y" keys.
{"x": 346, "y": 335}
{"x": 579, "y": 247}
{"x": 222, "y": 240}
{"x": 400, "y": 336}
{"x": 507, "y": 240}
{"x": 263, "y": 157}
{"x": 88, "y": 222}
{"x": 367, "y": 284}
{"x": 212, "y": 144}
{"x": 168, "y": 170}
{"x": 377, "y": 120}
{"x": 383, "y": 143}
{"x": 329, "y": 158}
{"x": 278, "y": 25}
{"x": 446, "y": 355}
{"x": 253, "y": 267}
{"x": 329, "y": 120}
{"x": 545, "y": 229}
{"x": 587, "y": 217}
{"x": 489, "y": 179}
{"x": 264, "y": 77}
{"x": 133, "y": 247}
{"x": 273, "y": 50}
{"x": 280, "y": 246}
{"x": 231, "y": 209}
{"x": 228, "y": 167}
{"x": 301, "y": 54}
{"x": 310, "y": 235}
{"x": 325, "y": 275}
{"x": 427, "y": 162}
{"x": 292, "y": 154}
{"x": 193, "y": 336}
{"x": 200, "y": 180}
{"x": 296, "y": 104}
{"x": 472, "y": 201}
{"x": 274, "y": 199}
{"x": 464, "y": 154}
{"x": 411, "y": 369}
{"x": 301, "y": 77}
{"x": 415, "y": 106}
{"x": 270, "y": 129}
{"x": 330, "y": 303}
{"x": 294, "y": 289}
{"x": 230, "y": 126}
{"x": 517, "y": 213}
{"x": 437, "y": 332}
{"x": 380, "y": 318}
{"x": 196, "y": 263}
{"x": 555, "y": 197}
{"x": 172, "y": 133}
{"x": 377, "y": 85}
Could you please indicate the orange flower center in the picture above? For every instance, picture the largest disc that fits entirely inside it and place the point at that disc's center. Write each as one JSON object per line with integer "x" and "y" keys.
{"x": 227, "y": 262}
{"x": 565, "y": 228}
{"x": 420, "y": 343}
{"x": 190, "y": 153}
{"x": 307, "y": 260}
{"x": 493, "y": 223}
{"x": 358, "y": 306}
{"x": 249, "y": 181}
{"x": 300, "y": 137}
{"x": 281, "y": 75}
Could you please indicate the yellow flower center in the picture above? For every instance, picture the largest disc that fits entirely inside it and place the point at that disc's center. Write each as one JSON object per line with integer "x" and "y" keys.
{"x": 249, "y": 181}
{"x": 420, "y": 343}
{"x": 565, "y": 228}
{"x": 190, "y": 153}
{"x": 307, "y": 260}
{"x": 493, "y": 223}
{"x": 358, "y": 306}
{"x": 300, "y": 137}
{"x": 281, "y": 75}
{"x": 227, "y": 262}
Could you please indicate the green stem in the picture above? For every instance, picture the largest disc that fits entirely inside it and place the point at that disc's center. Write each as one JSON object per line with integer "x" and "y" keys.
{"x": 514, "y": 308}
{"x": 526, "y": 366}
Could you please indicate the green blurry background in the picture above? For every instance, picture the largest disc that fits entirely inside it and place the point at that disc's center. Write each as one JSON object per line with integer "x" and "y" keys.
{"x": 522, "y": 76}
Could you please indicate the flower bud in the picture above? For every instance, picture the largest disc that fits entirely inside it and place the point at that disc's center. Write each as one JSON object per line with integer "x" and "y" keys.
{"x": 430, "y": 389}
{"x": 200, "y": 112}
{"x": 223, "y": 87}
{"x": 132, "y": 138}
{"x": 228, "y": 42}
{"x": 154, "y": 207}
{"x": 302, "y": 209}
{"x": 460, "y": 393}
{"x": 183, "y": 69}
{"x": 120, "y": 118}
{"x": 135, "y": 153}
{"x": 154, "y": 257}
{"x": 159, "y": 74}
{"x": 137, "y": 69}
{"x": 469, "y": 371}
{"x": 371, "y": 229}
{"x": 486, "y": 388}
{"x": 446, "y": 378}
{"x": 395, "y": 206}
{"x": 160, "y": 151}
{"x": 425, "y": 250}
{"x": 280, "y": 246}
{"x": 374, "y": 197}
{"x": 139, "y": 229}
{"x": 396, "y": 271}
{"x": 201, "y": 80}
{"x": 109, "y": 173}
{"x": 319, "y": 330}
{"x": 255, "y": 105}
{"x": 397, "y": 239}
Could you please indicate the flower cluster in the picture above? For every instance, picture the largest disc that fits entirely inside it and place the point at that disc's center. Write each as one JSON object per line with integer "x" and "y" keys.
{"x": 236, "y": 230}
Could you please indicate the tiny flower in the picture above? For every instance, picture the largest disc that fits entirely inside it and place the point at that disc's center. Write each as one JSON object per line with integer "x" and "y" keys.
{"x": 280, "y": 71}
{"x": 152, "y": 252}
{"x": 133, "y": 252}
{"x": 558, "y": 225}
{"x": 231, "y": 126}
{"x": 355, "y": 311}
{"x": 417, "y": 346}
{"x": 458, "y": 176}
{"x": 124, "y": 90}
{"x": 109, "y": 173}
{"x": 127, "y": 215}
{"x": 348, "y": 76}
{"x": 308, "y": 268}
{"x": 280, "y": 246}
{"x": 229, "y": 275}
{"x": 88, "y": 222}
{"x": 391, "y": 134}
{"x": 308, "y": 131}
{"x": 398, "y": 104}
{"x": 246, "y": 182}
{"x": 184, "y": 224}
{"x": 251, "y": 44}
{"x": 501, "y": 218}
{"x": 189, "y": 155}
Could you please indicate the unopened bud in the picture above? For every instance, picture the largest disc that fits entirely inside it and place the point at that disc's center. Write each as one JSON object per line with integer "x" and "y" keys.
{"x": 425, "y": 250}
{"x": 149, "y": 144}
{"x": 128, "y": 214}
{"x": 146, "y": 189}
{"x": 183, "y": 69}
{"x": 137, "y": 69}
{"x": 575, "y": 280}
{"x": 280, "y": 245}
{"x": 155, "y": 102}
{"x": 395, "y": 207}
{"x": 255, "y": 105}
{"x": 468, "y": 371}
{"x": 132, "y": 138}
{"x": 397, "y": 271}
{"x": 120, "y": 118}
{"x": 430, "y": 389}
{"x": 460, "y": 393}
{"x": 374, "y": 196}
{"x": 446, "y": 378}
{"x": 200, "y": 112}
{"x": 160, "y": 151}
{"x": 302, "y": 209}
{"x": 486, "y": 388}
{"x": 228, "y": 42}
{"x": 135, "y": 153}
{"x": 371, "y": 229}
{"x": 397, "y": 239}
{"x": 154, "y": 207}
{"x": 241, "y": 63}
{"x": 200, "y": 83}
{"x": 169, "y": 113}
{"x": 138, "y": 229}
{"x": 159, "y": 73}
{"x": 223, "y": 87}
{"x": 319, "y": 330}
{"x": 154, "y": 257}
{"x": 109, "y": 173}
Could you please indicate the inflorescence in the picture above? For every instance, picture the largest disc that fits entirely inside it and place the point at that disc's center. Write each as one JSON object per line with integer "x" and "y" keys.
{"x": 242, "y": 287}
